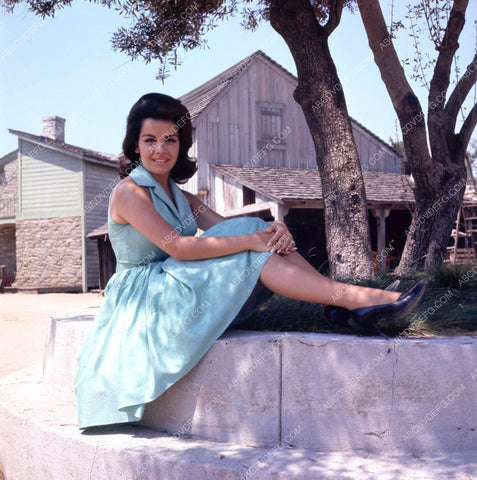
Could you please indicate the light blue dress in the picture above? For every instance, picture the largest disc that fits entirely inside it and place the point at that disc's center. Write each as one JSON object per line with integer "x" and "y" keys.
{"x": 160, "y": 315}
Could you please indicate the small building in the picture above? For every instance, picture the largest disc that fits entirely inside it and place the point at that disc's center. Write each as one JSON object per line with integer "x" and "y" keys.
{"x": 106, "y": 255}
{"x": 55, "y": 194}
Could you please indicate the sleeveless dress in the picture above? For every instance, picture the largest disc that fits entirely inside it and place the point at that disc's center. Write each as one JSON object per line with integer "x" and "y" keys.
{"x": 160, "y": 315}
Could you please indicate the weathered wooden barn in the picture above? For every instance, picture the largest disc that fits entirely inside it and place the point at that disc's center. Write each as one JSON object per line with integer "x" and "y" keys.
{"x": 256, "y": 156}
{"x": 61, "y": 194}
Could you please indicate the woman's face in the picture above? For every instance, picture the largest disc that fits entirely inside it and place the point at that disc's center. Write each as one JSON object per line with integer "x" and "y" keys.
{"x": 158, "y": 146}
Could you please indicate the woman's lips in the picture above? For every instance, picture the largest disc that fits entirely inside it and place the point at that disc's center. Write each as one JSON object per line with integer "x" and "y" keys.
{"x": 157, "y": 160}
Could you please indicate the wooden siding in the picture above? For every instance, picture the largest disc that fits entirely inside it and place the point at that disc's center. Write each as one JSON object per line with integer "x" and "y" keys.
{"x": 373, "y": 154}
{"x": 192, "y": 184}
{"x": 99, "y": 182}
{"x": 229, "y": 195}
{"x": 49, "y": 183}
{"x": 227, "y": 132}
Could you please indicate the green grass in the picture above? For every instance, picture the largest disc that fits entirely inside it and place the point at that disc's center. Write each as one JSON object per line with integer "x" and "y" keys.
{"x": 448, "y": 307}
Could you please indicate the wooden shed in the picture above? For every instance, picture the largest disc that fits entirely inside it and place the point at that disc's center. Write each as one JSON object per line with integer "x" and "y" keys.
{"x": 106, "y": 256}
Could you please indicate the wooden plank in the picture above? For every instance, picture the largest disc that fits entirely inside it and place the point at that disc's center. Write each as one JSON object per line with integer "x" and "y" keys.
{"x": 253, "y": 78}
{"x": 255, "y": 207}
{"x": 244, "y": 126}
{"x": 223, "y": 131}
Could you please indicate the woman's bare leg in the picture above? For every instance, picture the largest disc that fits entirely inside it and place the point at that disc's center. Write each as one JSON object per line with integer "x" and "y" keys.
{"x": 290, "y": 279}
{"x": 296, "y": 258}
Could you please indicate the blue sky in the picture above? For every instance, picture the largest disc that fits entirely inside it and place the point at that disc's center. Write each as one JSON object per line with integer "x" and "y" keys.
{"x": 66, "y": 66}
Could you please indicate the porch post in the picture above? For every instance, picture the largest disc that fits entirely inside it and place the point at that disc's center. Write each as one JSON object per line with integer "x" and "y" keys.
{"x": 380, "y": 214}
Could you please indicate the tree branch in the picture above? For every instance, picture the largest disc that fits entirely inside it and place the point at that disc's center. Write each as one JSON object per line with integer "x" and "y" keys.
{"x": 385, "y": 55}
{"x": 336, "y": 9}
{"x": 459, "y": 94}
{"x": 405, "y": 102}
{"x": 467, "y": 128}
{"x": 447, "y": 49}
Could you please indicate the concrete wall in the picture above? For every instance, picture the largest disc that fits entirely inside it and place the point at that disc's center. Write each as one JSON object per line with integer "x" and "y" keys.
{"x": 318, "y": 391}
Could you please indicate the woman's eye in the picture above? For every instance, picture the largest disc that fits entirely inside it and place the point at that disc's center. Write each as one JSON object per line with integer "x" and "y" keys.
{"x": 171, "y": 140}
{"x": 150, "y": 140}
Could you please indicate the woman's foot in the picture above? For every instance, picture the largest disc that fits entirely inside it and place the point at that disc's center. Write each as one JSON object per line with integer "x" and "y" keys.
{"x": 341, "y": 315}
{"x": 366, "y": 318}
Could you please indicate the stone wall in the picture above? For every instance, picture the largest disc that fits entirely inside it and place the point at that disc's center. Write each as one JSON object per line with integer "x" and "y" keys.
{"x": 49, "y": 254}
{"x": 8, "y": 189}
{"x": 7, "y": 248}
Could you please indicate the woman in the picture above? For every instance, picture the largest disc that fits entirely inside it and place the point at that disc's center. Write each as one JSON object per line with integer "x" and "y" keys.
{"x": 173, "y": 293}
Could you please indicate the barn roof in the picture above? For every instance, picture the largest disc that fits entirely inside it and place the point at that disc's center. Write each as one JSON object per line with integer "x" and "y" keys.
{"x": 86, "y": 153}
{"x": 298, "y": 184}
{"x": 200, "y": 97}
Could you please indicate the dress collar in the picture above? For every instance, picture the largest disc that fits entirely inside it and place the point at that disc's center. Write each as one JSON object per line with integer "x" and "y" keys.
{"x": 142, "y": 177}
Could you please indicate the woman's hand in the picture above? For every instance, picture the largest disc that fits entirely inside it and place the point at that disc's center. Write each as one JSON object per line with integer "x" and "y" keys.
{"x": 281, "y": 241}
{"x": 258, "y": 241}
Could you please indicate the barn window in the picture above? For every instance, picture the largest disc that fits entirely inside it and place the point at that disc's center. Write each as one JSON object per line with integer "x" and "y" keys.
{"x": 272, "y": 133}
{"x": 270, "y": 119}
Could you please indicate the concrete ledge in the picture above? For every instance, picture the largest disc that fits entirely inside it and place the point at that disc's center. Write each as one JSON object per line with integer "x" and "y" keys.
{"x": 40, "y": 440}
{"x": 66, "y": 334}
{"x": 359, "y": 393}
{"x": 319, "y": 391}
{"x": 231, "y": 395}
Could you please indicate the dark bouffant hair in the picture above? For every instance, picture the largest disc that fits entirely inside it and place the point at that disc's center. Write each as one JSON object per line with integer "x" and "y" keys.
{"x": 162, "y": 107}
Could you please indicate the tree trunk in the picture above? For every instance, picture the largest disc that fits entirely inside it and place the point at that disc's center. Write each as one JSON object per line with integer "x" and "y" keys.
{"x": 320, "y": 94}
{"x": 432, "y": 222}
{"x": 440, "y": 176}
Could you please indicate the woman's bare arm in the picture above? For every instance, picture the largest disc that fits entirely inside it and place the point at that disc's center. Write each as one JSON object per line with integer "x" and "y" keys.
{"x": 132, "y": 204}
{"x": 205, "y": 216}
{"x": 281, "y": 239}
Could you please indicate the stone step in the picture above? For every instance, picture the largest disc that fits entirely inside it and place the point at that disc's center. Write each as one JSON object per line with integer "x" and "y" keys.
{"x": 327, "y": 392}
{"x": 40, "y": 440}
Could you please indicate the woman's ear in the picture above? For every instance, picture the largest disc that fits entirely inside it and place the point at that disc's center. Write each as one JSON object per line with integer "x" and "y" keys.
{"x": 136, "y": 149}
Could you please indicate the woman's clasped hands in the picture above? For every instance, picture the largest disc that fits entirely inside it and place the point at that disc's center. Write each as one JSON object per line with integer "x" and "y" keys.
{"x": 275, "y": 238}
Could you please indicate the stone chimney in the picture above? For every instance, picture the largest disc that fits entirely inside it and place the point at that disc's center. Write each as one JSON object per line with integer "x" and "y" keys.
{"x": 54, "y": 128}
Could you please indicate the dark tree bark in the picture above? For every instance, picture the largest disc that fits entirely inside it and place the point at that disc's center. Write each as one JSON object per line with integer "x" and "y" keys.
{"x": 321, "y": 97}
{"x": 438, "y": 168}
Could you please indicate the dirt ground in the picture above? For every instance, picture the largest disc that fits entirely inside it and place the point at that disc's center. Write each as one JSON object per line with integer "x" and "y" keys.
{"x": 24, "y": 321}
